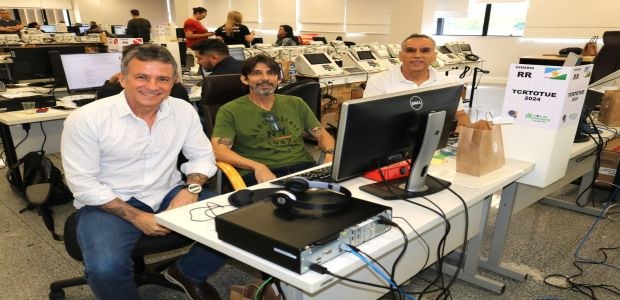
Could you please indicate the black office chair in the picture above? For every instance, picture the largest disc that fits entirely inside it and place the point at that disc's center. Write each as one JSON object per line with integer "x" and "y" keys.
{"x": 143, "y": 273}
{"x": 111, "y": 89}
{"x": 218, "y": 90}
{"x": 607, "y": 60}
{"x": 307, "y": 89}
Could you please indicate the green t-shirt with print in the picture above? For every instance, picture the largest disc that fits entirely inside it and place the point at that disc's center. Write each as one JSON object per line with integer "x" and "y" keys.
{"x": 274, "y": 137}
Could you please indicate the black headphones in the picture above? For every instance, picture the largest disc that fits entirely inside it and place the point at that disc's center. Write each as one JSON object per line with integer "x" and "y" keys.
{"x": 296, "y": 186}
{"x": 472, "y": 57}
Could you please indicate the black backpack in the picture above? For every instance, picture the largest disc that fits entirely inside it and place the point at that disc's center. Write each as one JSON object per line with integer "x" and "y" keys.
{"x": 39, "y": 169}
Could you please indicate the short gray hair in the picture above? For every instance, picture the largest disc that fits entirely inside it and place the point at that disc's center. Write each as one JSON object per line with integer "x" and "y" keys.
{"x": 418, "y": 36}
{"x": 149, "y": 52}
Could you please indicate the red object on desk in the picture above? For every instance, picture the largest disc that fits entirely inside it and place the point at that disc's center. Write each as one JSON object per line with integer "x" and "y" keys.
{"x": 41, "y": 110}
{"x": 393, "y": 171}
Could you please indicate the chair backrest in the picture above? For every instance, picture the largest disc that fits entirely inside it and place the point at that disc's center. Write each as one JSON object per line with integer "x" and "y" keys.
{"x": 607, "y": 60}
{"x": 307, "y": 89}
{"x": 218, "y": 90}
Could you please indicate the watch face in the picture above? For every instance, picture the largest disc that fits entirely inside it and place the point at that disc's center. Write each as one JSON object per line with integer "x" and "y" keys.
{"x": 194, "y": 188}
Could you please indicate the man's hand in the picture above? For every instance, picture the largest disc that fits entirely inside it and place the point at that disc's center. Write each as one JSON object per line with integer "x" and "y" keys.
{"x": 146, "y": 223}
{"x": 263, "y": 174}
{"x": 182, "y": 198}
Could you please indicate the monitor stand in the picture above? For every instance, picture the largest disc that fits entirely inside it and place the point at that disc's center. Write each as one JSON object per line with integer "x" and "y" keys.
{"x": 418, "y": 183}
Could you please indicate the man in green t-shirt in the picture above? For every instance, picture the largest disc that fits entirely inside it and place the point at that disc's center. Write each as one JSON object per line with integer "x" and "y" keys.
{"x": 261, "y": 133}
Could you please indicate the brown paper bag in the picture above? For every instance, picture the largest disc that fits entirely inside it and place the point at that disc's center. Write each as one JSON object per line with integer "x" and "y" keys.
{"x": 246, "y": 292}
{"x": 610, "y": 108}
{"x": 480, "y": 149}
{"x": 590, "y": 48}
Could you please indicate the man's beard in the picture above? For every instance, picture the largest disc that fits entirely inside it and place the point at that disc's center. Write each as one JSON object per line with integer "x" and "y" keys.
{"x": 262, "y": 92}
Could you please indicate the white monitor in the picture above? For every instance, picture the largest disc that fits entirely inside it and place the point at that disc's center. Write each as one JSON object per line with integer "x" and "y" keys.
{"x": 316, "y": 64}
{"x": 119, "y": 29}
{"x": 48, "y": 28}
{"x": 88, "y": 72}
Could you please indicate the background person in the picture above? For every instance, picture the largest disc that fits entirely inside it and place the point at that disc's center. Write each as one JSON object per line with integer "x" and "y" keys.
{"x": 138, "y": 27}
{"x": 213, "y": 56}
{"x": 193, "y": 28}
{"x": 8, "y": 25}
{"x": 234, "y": 32}
{"x": 286, "y": 36}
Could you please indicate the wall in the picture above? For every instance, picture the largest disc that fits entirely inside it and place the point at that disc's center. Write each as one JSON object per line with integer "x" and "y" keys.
{"x": 116, "y": 12}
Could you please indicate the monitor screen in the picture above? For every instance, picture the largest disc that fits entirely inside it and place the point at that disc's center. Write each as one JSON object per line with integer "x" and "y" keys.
{"x": 444, "y": 50}
{"x": 465, "y": 47}
{"x": 320, "y": 39}
{"x": 456, "y": 48}
{"x": 317, "y": 58}
{"x": 119, "y": 29}
{"x": 48, "y": 28}
{"x": 237, "y": 53}
{"x": 89, "y": 71}
{"x": 34, "y": 62}
{"x": 365, "y": 55}
{"x": 84, "y": 28}
{"x": 398, "y": 131}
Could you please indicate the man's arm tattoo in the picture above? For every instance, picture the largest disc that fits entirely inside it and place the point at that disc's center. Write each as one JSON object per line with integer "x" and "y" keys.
{"x": 225, "y": 141}
{"x": 316, "y": 131}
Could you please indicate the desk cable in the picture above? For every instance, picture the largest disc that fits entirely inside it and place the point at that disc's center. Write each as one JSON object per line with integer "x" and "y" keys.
{"x": 600, "y": 145}
{"x": 442, "y": 241}
{"x": 585, "y": 288}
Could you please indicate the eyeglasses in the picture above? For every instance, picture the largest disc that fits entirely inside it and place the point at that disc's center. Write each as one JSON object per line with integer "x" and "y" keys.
{"x": 269, "y": 117}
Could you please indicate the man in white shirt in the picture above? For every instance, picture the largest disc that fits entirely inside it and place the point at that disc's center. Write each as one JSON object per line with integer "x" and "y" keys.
{"x": 119, "y": 155}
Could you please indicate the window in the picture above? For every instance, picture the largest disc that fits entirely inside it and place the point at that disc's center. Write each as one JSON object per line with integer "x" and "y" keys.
{"x": 503, "y": 19}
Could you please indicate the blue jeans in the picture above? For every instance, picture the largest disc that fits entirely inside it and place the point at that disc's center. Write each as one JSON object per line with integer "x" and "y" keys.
{"x": 107, "y": 241}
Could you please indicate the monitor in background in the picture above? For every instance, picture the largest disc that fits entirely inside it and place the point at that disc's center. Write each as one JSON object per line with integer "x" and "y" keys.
{"x": 48, "y": 28}
{"x": 237, "y": 53}
{"x": 317, "y": 58}
{"x": 378, "y": 131}
{"x": 57, "y": 72}
{"x": 119, "y": 29}
{"x": 316, "y": 64}
{"x": 320, "y": 39}
{"x": 88, "y": 72}
{"x": 34, "y": 62}
{"x": 83, "y": 29}
{"x": 180, "y": 33}
{"x": 365, "y": 55}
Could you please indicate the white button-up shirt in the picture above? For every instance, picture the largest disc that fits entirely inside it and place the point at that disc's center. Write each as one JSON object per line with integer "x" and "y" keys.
{"x": 108, "y": 152}
{"x": 393, "y": 81}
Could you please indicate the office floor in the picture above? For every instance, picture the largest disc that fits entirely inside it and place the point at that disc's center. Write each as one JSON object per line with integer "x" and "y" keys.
{"x": 541, "y": 241}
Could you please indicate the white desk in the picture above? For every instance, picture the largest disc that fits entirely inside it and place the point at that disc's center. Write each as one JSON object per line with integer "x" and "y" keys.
{"x": 517, "y": 196}
{"x": 475, "y": 190}
{"x": 10, "y": 129}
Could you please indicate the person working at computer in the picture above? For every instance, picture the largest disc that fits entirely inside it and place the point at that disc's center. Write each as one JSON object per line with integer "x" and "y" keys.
{"x": 213, "y": 56}
{"x": 119, "y": 155}
{"x": 286, "y": 37}
{"x": 234, "y": 32}
{"x": 8, "y": 25}
{"x": 261, "y": 133}
{"x": 138, "y": 27}
{"x": 193, "y": 28}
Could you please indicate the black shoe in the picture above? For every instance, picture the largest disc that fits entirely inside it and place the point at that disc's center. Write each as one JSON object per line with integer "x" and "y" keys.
{"x": 195, "y": 291}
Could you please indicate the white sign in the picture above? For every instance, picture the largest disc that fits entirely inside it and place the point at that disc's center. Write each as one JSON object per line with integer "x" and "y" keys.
{"x": 546, "y": 96}
{"x": 117, "y": 44}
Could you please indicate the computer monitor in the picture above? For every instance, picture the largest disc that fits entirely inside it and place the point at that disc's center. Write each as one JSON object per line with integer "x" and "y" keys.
{"x": 377, "y": 131}
{"x": 237, "y": 53}
{"x": 88, "y": 72}
{"x": 365, "y": 55}
{"x": 320, "y": 39}
{"x": 48, "y": 28}
{"x": 83, "y": 29}
{"x": 34, "y": 62}
{"x": 119, "y": 29}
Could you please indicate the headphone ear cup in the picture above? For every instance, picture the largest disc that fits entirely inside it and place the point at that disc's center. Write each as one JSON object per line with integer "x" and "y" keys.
{"x": 241, "y": 198}
{"x": 283, "y": 199}
{"x": 297, "y": 185}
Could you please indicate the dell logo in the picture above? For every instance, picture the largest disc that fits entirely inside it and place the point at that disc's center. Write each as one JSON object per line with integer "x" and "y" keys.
{"x": 416, "y": 102}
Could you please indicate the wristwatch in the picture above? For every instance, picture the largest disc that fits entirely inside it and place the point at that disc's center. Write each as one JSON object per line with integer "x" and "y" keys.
{"x": 193, "y": 188}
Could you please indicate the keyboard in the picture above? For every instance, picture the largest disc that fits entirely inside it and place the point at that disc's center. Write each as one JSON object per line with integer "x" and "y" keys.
{"x": 323, "y": 174}
{"x": 77, "y": 97}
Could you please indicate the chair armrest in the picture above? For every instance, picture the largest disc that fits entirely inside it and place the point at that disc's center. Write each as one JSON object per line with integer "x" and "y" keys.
{"x": 232, "y": 174}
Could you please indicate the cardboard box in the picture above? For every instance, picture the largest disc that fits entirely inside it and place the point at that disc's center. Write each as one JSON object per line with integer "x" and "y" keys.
{"x": 609, "y": 163}
{"x": 610, "y": 108}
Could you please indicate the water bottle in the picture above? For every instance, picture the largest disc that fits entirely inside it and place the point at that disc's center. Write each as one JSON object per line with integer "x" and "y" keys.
{"x": 292, "y": 71}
